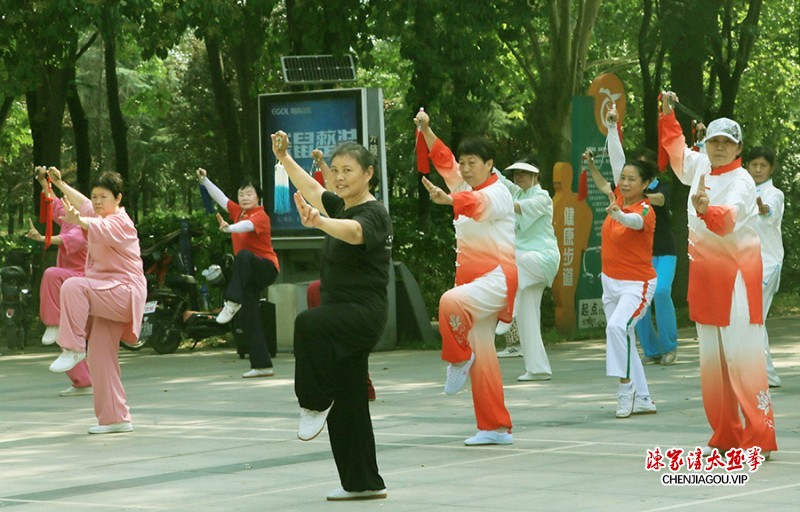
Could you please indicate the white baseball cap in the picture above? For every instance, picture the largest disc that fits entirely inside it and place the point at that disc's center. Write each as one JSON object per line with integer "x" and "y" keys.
{"x": 523, "y": 166}
{"x": 726, "y": 128}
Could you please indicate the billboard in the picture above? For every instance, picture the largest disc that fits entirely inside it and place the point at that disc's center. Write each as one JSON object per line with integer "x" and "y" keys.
{"x": 313, "y": 120}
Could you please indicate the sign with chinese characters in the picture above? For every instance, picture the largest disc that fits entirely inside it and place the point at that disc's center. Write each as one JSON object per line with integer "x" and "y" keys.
{"x": 579, "y": 209}
{"x": 314, "y": 120}
{"x": 590, "y": 314}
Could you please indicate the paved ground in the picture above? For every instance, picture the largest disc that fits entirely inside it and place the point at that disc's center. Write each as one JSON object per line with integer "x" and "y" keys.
{"x": 206, "y": 439}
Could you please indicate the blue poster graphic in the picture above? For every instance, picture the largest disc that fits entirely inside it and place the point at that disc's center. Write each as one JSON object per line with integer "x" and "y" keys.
{"x": 312, "y": 121}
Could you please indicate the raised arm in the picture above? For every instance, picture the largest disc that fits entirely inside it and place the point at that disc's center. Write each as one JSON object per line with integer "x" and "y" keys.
{"x": 216, "y": 194}
{"x": 600, "y": 182}
{"x": 442, "y": 157}
{"x": 616, "y": 155}
{"x": 319, "y": 159}
{"x": 72, "y": 195}
{"x": 303, "y": 182}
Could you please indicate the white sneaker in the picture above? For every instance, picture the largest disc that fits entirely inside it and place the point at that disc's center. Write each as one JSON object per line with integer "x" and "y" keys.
{"x": 341, "y": 495}
{"x": 512, "y": 351}
{"x": 457, "y": 376}
{"x": 67, "y": 361}
{"x": 73, "y": 391}
{"x": 530, "y": 376}
{"x": 311, "y": 423}
{"x": 50, "y": 335}
{"x": 501, "y": 328}
{"x": 483, "y": 437}
{"x": 228, "y": 312}
{"x": 258, "y": 372}
{"x": 643, "y": 405}
{"x": 114, "y": 428}
{"x": 625, "y": 403}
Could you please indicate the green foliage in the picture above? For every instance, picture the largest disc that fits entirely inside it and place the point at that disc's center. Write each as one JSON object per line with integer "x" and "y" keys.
{"x": 429, "y": 254}
{"x": 209, "y": 244}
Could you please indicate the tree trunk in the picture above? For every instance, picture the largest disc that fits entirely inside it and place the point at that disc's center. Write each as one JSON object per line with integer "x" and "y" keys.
{"x": 422, "y": 91}
{"x": 223, "y": 99}
{"x": 80, "y": 128}
{"x": 45, "y": 115}
{"x": 119, "y": 129}
{"x": 245, "y": 55}
{"x": 682, "y": 23}
{"x": 5, "y": 108}
{"x": 651, "y": 53}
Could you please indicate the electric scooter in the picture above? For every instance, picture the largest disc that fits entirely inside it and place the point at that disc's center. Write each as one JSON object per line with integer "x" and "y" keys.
{"x": 16, "y": 298}
{"x": 178, "y": 308}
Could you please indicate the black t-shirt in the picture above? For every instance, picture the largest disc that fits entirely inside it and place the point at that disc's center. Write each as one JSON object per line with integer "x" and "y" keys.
{"x": 663, "y": 238}
{"x": 357, "y": 273}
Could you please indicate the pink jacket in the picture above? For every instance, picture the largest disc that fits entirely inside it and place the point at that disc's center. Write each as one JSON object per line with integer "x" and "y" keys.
{"x": 72, "y": 251}
{"x": 114, "y": 260}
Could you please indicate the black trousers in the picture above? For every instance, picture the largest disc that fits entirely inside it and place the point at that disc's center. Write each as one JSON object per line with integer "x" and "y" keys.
{"x": 331, "y": 348}
{"x": 251, "y": 275}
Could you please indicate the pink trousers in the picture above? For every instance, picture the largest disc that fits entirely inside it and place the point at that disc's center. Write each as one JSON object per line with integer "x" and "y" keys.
{"x": 50, "y": 312}
{"x": 99, "y": 315}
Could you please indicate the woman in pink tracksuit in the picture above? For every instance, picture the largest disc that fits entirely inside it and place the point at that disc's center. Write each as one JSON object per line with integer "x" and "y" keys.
{"x": 106, "y": 305}
{"x": 71, "y": 262}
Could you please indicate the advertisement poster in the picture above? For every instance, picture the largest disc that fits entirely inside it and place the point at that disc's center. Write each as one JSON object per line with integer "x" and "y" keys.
{"x": 316, "y": 120}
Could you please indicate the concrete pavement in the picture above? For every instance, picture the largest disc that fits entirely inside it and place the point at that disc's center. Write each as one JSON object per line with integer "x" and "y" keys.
{"x": 205, "y": 439}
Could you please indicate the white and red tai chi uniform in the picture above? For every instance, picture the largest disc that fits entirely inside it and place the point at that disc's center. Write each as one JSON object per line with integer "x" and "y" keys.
{"x": 725, "y": 272}
{"x": 486, "y": 284}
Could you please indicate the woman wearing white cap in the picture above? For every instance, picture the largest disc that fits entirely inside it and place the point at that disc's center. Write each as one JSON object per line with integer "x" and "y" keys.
{"x": 537, "y": 261}
{"x": 724, "y": 282}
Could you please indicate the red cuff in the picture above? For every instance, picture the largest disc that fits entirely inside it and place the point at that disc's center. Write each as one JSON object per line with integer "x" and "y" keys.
{"x": 719, "y": 219}
{"x": 464, "y": 203}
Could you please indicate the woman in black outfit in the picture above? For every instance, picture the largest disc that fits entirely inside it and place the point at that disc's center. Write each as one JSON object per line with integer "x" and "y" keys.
{"x": 332, "y": 342}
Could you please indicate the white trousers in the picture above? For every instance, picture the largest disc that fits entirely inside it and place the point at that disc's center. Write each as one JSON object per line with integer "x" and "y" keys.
{"x": 625, "y": 303}
{"x": 736, "y": 395}
{"x": 528, "y": 312}
{"x": 768, "y": 293}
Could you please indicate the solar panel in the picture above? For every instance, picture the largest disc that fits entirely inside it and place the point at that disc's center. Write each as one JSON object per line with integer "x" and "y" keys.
{"x": 307, "y": 69}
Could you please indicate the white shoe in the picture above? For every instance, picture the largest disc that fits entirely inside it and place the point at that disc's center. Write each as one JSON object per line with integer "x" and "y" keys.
{"x": 73, "y": 391}
{"x": 502, "y": 328}
{"x": 67, "y": 361}
{"x": 114, "y": 428}
{"x": 341, "y": 495}
{"x": 529, "y": 376}
{"x": 258, "y": 372}
{"x": 228, "y": 312}
{"x": 643, "y": 405}
{"x": 457, "y": 376}
{"x": 774, "y": 381}
{"x": 50, "y": 335}
{"x": 625, "y": 403}
{"x": 512, "y": 351}
{"x": 311, "y": 423}
{"x": 484, "y": 437}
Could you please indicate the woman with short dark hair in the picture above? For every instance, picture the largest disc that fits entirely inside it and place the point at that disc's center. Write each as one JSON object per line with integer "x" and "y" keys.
{"x": 332, "y": 342}
{"x": 107, "y": 304}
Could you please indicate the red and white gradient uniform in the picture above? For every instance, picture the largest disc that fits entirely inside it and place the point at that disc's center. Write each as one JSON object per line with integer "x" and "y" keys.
{"x": 486, "y": 284}
{"x": 724, "y": 297}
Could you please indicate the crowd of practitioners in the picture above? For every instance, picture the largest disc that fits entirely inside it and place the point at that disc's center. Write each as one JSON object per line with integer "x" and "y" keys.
{"x": 506, "y": 255}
